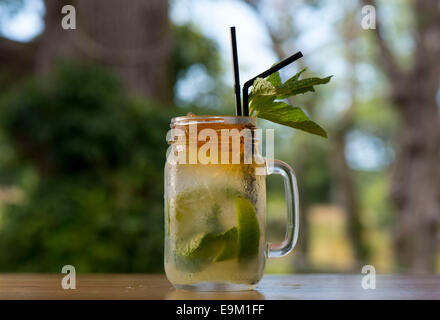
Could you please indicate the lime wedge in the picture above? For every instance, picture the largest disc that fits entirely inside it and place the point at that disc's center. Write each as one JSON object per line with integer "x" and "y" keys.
{"x": 230, "y": 245}
{"x": 191, "y": 255}
{"x": 206, "y": 248}
{"x": 248, "y": 229}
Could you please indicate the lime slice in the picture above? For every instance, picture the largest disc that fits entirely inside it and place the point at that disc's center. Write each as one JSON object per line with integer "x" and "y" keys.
{"x": 206, "y": 248}
{"x": 248, "y": 229}
{"x": 202, "y": 247}
{"x": 230, "y": 245}
{"x": 193, "y": 254}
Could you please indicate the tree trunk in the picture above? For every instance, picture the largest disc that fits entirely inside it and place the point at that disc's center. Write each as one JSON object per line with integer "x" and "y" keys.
{"x": 416, "y": 176}
{"x": 416, "y": 180}
{"x": 132, "y": 38}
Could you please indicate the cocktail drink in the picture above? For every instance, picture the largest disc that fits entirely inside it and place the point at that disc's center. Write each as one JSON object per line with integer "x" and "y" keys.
{"x": 215, "y": 211}
{"x": 215, "y": 191}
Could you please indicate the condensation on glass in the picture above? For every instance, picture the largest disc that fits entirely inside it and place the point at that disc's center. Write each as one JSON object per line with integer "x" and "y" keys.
{"x": 215, "y": 214}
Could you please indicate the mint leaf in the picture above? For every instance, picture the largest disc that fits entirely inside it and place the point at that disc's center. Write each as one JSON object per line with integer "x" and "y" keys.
{"x": 265, "y": 92}
{"x": 295, "y": 77}
{"x": 300, "y": 86}
{"x": 294, "y": 117}
{"x": 275, "y": 79}
{"x": 262, "y": 87}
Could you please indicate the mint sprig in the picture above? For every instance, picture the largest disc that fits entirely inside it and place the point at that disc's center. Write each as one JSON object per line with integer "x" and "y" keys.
{"x": 266, "y": 93}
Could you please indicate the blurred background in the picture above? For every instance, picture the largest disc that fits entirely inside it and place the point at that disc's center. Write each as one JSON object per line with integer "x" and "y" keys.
{"x": 84, "y": 114}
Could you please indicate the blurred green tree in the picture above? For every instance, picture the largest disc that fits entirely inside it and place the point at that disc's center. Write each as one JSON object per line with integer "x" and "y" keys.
{"x": 97, "y": 157}
{"x": 88, "y": 158}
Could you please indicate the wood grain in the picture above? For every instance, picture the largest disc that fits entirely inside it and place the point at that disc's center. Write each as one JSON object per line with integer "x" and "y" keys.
{"x": 147, "y": 286}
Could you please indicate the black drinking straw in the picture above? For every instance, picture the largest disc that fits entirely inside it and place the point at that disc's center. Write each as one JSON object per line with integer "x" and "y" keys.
{"x": 265, "y": 74}
{"x": 236, "y": 73}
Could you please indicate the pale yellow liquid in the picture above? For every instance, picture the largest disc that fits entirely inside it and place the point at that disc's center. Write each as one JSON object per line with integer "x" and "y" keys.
{"x": 204, "y": 187}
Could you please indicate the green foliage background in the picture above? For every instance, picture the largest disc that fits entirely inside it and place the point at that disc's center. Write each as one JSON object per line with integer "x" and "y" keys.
{"x": 88, "y": 161}
{"x": 91, "y": 164}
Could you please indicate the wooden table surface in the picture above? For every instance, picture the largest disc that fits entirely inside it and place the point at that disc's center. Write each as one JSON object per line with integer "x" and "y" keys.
{"x": 147, "y": 286}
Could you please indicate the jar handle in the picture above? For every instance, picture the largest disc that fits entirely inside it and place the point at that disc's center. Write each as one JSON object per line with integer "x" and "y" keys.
{"x": 276, "y": 250}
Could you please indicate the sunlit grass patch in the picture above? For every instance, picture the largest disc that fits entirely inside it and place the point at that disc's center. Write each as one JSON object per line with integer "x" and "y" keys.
{"x": 330, "y": 246}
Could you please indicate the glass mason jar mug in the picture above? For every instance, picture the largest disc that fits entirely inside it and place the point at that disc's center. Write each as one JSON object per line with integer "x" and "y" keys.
{"x": 215, "y": 204}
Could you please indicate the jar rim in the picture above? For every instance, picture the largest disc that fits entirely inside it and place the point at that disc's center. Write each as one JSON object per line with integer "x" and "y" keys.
{"x": 244, "y": 120}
